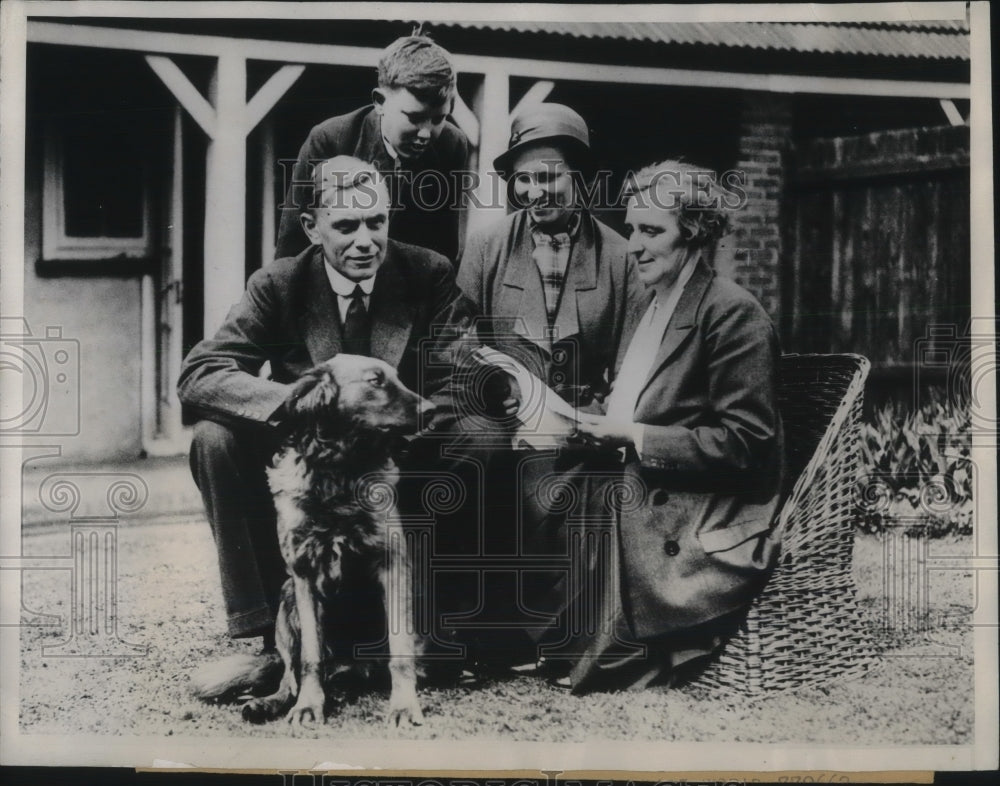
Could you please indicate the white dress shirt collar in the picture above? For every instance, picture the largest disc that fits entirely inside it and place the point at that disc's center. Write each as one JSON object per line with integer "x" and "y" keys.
{"x": 343, "y": 287}
{"x": 644, "y": 347}
{"x": 674, "y": 293}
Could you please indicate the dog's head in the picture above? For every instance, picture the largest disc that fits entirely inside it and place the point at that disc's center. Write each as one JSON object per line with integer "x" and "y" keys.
{"x": 351, "y": 393}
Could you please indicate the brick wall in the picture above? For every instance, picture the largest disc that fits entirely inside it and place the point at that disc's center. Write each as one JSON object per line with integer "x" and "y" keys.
{"x": 753, "y": 256}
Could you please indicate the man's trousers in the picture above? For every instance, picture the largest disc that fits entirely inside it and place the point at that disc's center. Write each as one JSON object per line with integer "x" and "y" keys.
{"x": 228, "y": 466}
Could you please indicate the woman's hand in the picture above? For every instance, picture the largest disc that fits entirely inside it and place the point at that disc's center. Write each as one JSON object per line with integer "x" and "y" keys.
{"x": 601, "y": 431}
{"x": 510, "y": 407}
{"x": 501, "y": 395}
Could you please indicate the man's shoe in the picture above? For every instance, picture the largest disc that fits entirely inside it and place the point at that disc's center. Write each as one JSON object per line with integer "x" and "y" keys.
{"x": 544, "y": 667}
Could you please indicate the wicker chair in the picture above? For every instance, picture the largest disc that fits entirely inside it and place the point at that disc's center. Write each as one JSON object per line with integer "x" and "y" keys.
{"x": 805, "y": 628}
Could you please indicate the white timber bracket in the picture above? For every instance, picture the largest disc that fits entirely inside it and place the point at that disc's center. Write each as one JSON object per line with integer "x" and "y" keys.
{"x": 952, "y": 113}
{"x": 227, "y": 118}
{"x": 535, "y": 94}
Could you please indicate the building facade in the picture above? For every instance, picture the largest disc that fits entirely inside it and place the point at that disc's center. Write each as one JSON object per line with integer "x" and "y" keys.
{"x": 157, "y": 151}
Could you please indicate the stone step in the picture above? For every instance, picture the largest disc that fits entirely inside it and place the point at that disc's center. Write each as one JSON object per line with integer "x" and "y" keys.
{"x": 53, "y": 492}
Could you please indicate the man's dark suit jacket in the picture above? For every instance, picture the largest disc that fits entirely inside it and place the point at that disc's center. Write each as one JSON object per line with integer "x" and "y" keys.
{"x": 359, "y": 134}
{"x": 288, "y": 316}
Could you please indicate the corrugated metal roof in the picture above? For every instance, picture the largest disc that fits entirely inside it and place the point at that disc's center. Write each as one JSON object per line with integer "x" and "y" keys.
{"x": 946, "y": 39}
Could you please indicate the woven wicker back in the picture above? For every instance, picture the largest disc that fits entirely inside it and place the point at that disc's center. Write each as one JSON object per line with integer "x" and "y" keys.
{"x": 804, "y": 628}
{"x": 811, "y": 390}
{"x": 820, "y": 398}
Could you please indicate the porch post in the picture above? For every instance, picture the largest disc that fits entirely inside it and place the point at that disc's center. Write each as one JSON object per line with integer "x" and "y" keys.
{"x": 226, "y": 117}
{"x": 492, "y": 102}
{"x": 268, "y": 210}
{"x": 225, "y": 192}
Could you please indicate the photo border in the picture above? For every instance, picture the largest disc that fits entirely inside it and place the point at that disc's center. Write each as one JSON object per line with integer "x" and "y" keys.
{"x": 610, "y": 758}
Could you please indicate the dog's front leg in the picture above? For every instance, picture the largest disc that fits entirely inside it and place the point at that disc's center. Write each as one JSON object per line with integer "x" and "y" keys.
{"x": 397, "y": 593}
{"x": 309, "y": 703}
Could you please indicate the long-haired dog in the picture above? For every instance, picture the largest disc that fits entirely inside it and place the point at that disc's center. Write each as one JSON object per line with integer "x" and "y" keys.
{"x": 347, "y": 560}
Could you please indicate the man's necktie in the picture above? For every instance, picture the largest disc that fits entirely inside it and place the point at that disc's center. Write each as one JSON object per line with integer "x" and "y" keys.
{"x": 357, "y": 326}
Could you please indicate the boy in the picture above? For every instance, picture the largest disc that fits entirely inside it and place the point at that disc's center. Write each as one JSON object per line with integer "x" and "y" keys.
{"x": 406, "y": 135}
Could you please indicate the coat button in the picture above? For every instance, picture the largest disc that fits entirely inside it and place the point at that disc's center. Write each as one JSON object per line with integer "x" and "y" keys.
{"x": 659, "y": 497}
{"x": 671, "y": 548}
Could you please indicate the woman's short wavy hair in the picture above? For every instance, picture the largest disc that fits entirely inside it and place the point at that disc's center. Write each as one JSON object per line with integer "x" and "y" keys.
{"x": 693, "y": 191}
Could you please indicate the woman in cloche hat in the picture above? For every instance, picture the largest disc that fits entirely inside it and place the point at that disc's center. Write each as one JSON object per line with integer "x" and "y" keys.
{"x": 561, "y": 295}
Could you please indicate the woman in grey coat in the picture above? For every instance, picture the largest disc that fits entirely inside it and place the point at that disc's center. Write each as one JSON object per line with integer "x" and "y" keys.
{"x": 687, "y": 515}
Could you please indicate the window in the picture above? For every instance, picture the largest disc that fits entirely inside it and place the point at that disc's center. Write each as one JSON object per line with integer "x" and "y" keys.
{"x": 96, "y": 191}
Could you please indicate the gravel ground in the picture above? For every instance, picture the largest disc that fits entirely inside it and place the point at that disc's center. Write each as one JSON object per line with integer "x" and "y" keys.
{"x": 169, "y": 600}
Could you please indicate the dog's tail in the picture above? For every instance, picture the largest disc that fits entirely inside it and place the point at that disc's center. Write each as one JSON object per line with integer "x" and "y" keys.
{"x": 237, "y": 675}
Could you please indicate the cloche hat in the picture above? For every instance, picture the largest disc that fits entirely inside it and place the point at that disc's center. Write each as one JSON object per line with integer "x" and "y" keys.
{"x": 545, "y": 122}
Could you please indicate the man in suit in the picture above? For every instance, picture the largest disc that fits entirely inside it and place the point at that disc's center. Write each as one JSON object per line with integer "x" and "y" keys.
{"x": 406, "y": 134}
{"x": 352, "y": 290}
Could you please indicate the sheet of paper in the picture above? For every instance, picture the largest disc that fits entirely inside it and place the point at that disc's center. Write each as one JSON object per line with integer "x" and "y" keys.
{"x": 546, "y": 419}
